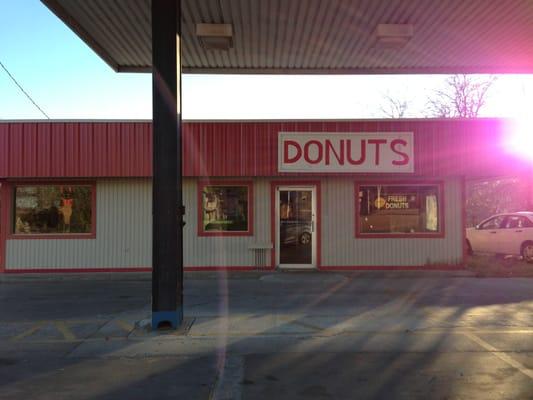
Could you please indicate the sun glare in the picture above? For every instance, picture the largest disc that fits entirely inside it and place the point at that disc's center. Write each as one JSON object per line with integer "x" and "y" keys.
{"x": 520, "y": 138}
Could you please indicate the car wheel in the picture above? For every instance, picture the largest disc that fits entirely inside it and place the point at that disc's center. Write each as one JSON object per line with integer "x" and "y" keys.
{"x": 469, "y": 248}
{"x": 527, "y": 252}
{"x": 305, "y": 238}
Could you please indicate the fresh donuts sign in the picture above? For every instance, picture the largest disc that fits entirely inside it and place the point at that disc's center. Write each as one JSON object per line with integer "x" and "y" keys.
{"x": 376, "y": 152}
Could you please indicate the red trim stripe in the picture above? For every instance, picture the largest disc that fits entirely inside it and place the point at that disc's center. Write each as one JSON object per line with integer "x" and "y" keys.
{"x": 74, "y": 270}
{"x": 126, "y": 269}
{"x": 403, "y": 183}
{"x": 4, "y": 221}
{"x": 215, "y": 182}
{"x": 450, "y": 267}
{"x": 231, "y": 268}
{"x": 10, "y": 198}
{"x": 463, "y": 218}
{"x": 242, "y": 268}
{"x": 273, "y": 223}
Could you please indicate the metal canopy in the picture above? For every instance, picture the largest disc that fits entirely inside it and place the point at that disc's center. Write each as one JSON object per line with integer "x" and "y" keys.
{"x": 317, "y": 36}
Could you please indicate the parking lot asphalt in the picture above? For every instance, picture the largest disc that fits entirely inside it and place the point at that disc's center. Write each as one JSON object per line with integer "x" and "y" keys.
{"x": 411, "y": 335}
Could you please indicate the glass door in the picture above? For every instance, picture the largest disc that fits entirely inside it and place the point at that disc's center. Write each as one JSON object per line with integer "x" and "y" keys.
{"x": 296, "y": 238}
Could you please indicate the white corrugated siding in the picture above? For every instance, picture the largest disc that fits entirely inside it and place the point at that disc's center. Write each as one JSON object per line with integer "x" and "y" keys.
{"x": 124, "y": 232}
{"x": 225, "y": 251}
{"x": 123, "y": 236}
{"x": 341, "y": 248}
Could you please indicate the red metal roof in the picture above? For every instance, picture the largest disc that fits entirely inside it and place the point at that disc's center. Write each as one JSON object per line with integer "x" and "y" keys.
{"x": 237, "y": 149}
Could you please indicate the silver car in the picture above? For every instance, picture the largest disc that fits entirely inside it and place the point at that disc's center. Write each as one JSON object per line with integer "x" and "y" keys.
{"x": 296, "y": 231}
{"x": 509, "y": 234}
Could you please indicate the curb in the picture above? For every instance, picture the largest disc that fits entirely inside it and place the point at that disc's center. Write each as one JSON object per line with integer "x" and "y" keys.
{"x": 252, "y": 275}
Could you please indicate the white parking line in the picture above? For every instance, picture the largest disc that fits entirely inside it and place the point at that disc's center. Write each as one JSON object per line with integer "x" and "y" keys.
{"x": 228, "y": 385}
{"x": 501, "y": 355}
{"x": 28, "y": 332}
{"x": 65, "y": 330}
{"x": 128, "y": 327}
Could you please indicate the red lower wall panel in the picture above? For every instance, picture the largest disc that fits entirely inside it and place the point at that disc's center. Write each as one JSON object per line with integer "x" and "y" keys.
{"x": 239, "y": 268}
{"x": 4, "y": 221}
{"x": 451, "y": 267}
{"x": 125, "y": 269}
{"x": 73, "y": 270}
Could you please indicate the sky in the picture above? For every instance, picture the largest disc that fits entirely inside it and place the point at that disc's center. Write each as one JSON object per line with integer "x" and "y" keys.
{"x": 69, "y": 81}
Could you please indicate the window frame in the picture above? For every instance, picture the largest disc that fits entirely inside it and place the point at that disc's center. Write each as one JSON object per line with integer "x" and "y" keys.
{"x": 529, "y": 224}
{"x": 508, "y": 219}
{"x": 21, "y": 236}
{"x": 525, "y": 225}
{"x": 500, "y": 226}
{"x": 199, "y": 201}
{"x": 441, "y": 233}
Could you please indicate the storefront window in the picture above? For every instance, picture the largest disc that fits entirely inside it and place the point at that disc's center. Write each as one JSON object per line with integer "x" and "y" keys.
{"x": 51, "y": 209}
{"x": 399, "y": 209}
{"x": 225, "y": 209}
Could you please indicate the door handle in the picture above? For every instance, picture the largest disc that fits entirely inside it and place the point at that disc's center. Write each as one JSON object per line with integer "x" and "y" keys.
{"x": 493, "y": 232}
{"x": 312, "y": 226}
{"x": 520, "y": 231}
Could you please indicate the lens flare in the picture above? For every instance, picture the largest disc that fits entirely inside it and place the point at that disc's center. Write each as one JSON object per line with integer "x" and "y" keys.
{"x": 520, "y": 138}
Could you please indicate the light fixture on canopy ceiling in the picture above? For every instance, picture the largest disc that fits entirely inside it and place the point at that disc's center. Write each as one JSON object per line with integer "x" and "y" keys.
{"x": 393, "y": 36}
{"x": 215, "y": 36}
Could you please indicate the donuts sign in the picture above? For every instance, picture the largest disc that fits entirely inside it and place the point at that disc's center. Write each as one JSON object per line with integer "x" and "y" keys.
{"x": 375, "y": 152}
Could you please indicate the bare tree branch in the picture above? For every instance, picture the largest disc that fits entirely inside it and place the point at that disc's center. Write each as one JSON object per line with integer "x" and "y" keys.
{"x": 464, "y": 96}
{"x": 394, "y": 108}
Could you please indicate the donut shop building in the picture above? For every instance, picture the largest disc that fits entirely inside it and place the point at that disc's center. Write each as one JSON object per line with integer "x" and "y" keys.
{"x": 75, "y": 196}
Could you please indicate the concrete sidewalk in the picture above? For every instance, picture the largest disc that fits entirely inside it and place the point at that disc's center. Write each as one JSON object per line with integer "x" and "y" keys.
{"x": 264, "y": 336}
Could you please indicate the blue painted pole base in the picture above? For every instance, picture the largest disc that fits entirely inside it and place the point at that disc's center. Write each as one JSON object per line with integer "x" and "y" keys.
{"x": 166, "y": 318}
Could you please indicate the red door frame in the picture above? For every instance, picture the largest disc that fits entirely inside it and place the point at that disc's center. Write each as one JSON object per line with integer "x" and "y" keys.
{"x": 5, "y": 205}
{"x": 273, "y": 222}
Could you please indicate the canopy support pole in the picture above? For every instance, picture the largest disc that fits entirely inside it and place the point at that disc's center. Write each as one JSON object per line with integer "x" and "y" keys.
{"x": 167, "y": 209}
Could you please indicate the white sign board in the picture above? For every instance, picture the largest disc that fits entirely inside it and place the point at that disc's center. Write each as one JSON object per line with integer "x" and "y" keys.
{"x": 361, "y": 152}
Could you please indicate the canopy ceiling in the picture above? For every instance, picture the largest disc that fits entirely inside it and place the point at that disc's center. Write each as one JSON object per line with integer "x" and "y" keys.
{"x": 317, "y": 36}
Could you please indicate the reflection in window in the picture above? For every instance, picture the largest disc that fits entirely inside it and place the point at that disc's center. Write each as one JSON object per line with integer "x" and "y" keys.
{"x": 494, "y": 223}
{"x": 53, "y": 209}
{"x": 295, "y": 205}
{"x": 225, "y": 208}
{"x": 399, "y": 209}
{"x": 517, "y": 222}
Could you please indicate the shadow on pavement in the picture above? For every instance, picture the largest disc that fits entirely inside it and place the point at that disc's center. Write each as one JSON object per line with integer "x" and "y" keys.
{"x": 326, "y": 336}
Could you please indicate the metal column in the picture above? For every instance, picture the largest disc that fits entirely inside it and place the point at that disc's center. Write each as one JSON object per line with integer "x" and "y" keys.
{"x": 529, "y": 183}
{"x": 167, "y": 241}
